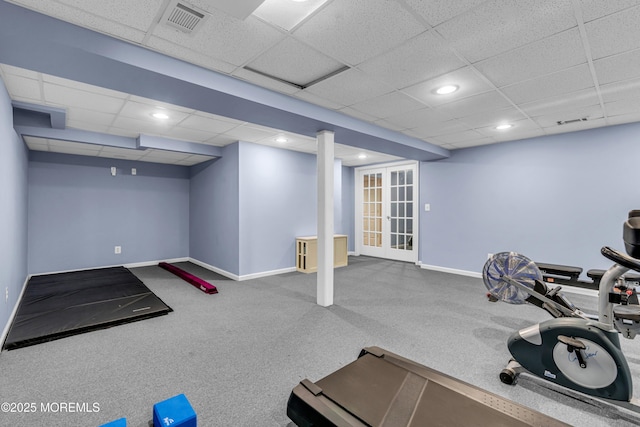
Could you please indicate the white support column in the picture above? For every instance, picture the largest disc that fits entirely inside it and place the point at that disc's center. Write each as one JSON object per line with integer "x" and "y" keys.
{"x": 325, "y": 218}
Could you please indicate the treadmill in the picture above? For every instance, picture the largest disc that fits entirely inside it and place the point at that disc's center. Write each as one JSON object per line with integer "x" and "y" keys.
{"x": 383, "y": 389}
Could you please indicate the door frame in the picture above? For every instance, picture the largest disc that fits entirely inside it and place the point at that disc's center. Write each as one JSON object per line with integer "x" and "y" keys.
{"x": 358, "y": 224}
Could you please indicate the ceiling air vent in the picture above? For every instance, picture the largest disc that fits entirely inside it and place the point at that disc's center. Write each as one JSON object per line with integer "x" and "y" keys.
{"x": 566, "y": 122}
{"x": 183, "y": 16}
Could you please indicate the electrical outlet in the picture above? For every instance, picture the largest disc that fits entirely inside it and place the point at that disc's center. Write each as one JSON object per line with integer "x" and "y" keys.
{"x": 118, "y": 249}
{"x": 489, "y": 255}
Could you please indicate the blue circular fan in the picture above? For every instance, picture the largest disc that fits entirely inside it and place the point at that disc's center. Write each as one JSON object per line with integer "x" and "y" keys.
{"x": 518, "y": 267}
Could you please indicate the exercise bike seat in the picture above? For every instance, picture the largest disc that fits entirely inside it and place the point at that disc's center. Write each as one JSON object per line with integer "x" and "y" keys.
{"x": 631, "y": 235}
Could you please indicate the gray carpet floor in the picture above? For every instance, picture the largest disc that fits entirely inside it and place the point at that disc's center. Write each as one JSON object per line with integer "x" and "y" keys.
{"x": 237, "y": 355}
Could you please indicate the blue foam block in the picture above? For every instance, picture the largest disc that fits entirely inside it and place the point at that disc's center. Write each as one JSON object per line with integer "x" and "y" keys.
{"x": 122, "y": 422}
{"x": 174, "y": 412}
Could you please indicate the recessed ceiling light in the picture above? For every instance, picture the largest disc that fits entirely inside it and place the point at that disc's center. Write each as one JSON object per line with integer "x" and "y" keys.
{"x": 362, "y": 156}
{"x": 504, "y": 126}
{"x": 445, "y": 90}
{"x": 160, "y": 115}
{"x": 281, "y": 139}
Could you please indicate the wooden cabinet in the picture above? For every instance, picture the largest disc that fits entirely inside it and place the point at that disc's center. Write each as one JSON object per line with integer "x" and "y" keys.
{"x": 307, "y": 252}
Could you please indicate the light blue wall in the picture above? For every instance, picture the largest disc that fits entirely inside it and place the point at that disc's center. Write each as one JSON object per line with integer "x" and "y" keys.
{"x": 78, "y": 212}
{"x": 278, "y": 199}
{"x": 348, "y": 205}
{"x": 555, "y": 199}
{"x": 13, "y": 210}
{"x": 214, "y": 211}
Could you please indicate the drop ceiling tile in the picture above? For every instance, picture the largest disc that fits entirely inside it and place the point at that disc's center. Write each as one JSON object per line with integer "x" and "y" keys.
{"x": 590, "y": 112}
{"x": 159, "y": 104}
{"x": 188, "y": 134}
{"x": 493, "y": 118}
{"x": 265, "y": 82}
{"x": 92, "y": 127}
{"x": 225, "y": 38}
{"x": 520, "y": 129}
{"x": 89, "y": 117}
{"x": 521, "y": 134}
{"x": 37, "y": 144}
{"x": 249, "y": 133}
{"x": 24, "y": 88}
{"x": 168, "y": 155}
{"x": 562, "y": 102}
{"x": 621, "y": 90}
{"x": 209, "y": 123}
{"x": 237, "y": 9}
{"x": 542, "y": 57}
{"x": 74, "y": 148}
{"x": 593, "y": 9}
{"x": 194, "y": 160}
{"x": 295, "y": 62}
{"x": 129, "y": 133}
{"x": 349, "y": 87}
{"x": 419, "y": 118}
{"x": 423, "y": 57}
{"x": 70, "y": 97}
{"x": 483, "y": 102}
{"x": 622, "y": 106}
{"x": 565, "y": 81}
{"x": 140, "y": 126}
{"x": 349, "y": 111}
{"x": 305, "y": 95}
{"x": 186, "y": 54}
{"x": 624, "y": 66}
{"x": 387, "y": 105}
{"x": 575, "y": 127}
{"x": 614, "y": 33}
{"x": 10, "y": 69}
{"x": 471, "y": 143}
{"x": 121, "y": 153}
{"x": 163, "y": 160}
{"x": 387, "y": 124}
{"x": 431, "y": 130}
{"x": 350, "y": 30}
{"x": 83, "y": 87}
{"x": 469, "y": 82}
{"x": 497, "y": 26}
{"x": 467, "y": 135}
{"x": 625, "y": 118}
{"x": 437, "y": 11}
{"x": 93, "y": 20}
{"x": 221, "y": 140}
{"x": 139, "y": 14}
{"x": 143, "y": 112}
{"x": 286, "y": 14}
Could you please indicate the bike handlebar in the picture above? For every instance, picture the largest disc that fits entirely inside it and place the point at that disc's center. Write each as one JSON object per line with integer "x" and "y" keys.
{"x": 620, "y": 258}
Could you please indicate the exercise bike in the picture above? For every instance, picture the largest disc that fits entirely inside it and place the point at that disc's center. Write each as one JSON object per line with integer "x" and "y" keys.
{"x": 571, "y": 350}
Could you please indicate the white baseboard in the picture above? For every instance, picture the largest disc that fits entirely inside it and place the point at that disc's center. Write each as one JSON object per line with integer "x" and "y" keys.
{"x": 267, "y": 273}
{"x": 451, "y": 270}
{"x": 244, "y": 276}
{"x": 566, "y": 289}
{"x": 148, "y": 263}
{"x": 215, "y": 269}
{"x": 12, "y": 316}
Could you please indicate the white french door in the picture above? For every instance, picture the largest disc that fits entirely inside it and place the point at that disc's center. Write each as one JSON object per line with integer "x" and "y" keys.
{"x": 387, "y": 211}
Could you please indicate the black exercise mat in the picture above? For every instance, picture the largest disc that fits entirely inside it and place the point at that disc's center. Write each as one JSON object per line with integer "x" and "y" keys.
{"x": 59, "y": 305}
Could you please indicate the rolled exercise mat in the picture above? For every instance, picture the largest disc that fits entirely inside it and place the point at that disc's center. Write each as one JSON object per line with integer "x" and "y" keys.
{"x": 203, "y": 285}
